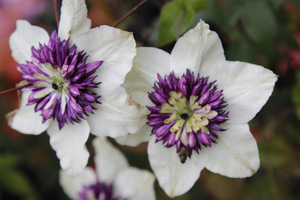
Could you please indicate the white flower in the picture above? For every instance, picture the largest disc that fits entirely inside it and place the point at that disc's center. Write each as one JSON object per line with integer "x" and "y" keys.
{"x": 112, "y": 169}
{"x": 69, "y": 74}
{"x": 200, "y": 108}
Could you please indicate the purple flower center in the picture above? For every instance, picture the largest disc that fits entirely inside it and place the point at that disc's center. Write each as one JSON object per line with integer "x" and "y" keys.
{"x": 60, "y": 81}
{"x": 188, "y": 112}
{"x": 98, "y": 191}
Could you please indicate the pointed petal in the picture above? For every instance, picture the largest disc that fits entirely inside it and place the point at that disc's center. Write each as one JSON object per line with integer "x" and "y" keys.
{"x": 142, "y": 135}
{"x": 117, "y": 115}
{"x": 135, "y": 184}
{"x": 198, "y": 50}
{"x": 25, "y": 119}
{"x": 72, "y": 185}
{"x": 25, "y": 37}
{"x": 109, "y": 160}
{"x": 246, "y": 88}
{"x": 73, "y": 19}
{"x": 69, "y": 144}
{"x": 173, "y": 177}
{"x": 146, "y": 65}
{"x": 234, "y": 155}
{"x": 116, "y": 48}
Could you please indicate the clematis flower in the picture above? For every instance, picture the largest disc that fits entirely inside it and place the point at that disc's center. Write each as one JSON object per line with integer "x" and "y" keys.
{"x": 73, "y": 83}
{"x": 113, "y": 179}
{"x": 199, "y": 108}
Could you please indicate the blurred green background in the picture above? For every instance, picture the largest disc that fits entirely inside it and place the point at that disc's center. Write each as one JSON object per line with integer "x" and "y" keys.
{"x": 264, "y": 32}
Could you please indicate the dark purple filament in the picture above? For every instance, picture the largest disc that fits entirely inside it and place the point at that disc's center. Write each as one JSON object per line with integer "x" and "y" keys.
{"x": 61, "y": 81}
{"x": 98, "y": 191}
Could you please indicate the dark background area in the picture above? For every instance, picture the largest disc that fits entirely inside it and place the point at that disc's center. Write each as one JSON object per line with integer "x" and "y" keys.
{"x": 264, "y": 32}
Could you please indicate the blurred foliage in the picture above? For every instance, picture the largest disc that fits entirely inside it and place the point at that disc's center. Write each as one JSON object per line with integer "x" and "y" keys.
{"x": 176, "y": 18}
{"x": 263, "y": 32}
{"x": 12, "y": 180}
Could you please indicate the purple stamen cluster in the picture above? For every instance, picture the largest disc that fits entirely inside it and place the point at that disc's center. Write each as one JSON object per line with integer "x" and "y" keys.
{"x": 188, "y": 112}
{"x": 60, "y": 81}
{"x": 98, "y": 191}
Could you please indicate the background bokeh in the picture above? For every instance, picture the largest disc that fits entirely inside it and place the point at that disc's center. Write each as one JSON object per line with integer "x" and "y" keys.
{"x": 264, "y": 32}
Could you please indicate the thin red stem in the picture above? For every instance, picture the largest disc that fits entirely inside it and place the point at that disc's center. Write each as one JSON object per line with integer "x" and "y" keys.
{"x": 179, "y": 24}
{"x": 129, "y": 13}
{"x": 56, "y": 11}
{"x": 13, "y": 89}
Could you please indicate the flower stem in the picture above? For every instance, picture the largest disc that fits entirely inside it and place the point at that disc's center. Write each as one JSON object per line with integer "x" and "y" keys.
{"x": 129, "y": 13}
{"x": 13, "y": 89}
{"x": 56, "y": 11}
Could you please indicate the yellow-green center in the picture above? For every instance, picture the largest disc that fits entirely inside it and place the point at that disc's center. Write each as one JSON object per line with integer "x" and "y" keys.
{"x": 53, "y": 82}
{"x": 187, "y": 113}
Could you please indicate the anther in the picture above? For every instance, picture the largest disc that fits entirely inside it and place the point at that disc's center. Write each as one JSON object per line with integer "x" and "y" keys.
{"x": 183, "y": 154}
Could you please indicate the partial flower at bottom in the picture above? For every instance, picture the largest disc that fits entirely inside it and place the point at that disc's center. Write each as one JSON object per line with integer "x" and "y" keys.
{"x": 73, "y": 83}
{"x": 113, "y": 179}
{"x": 200, "y": 105}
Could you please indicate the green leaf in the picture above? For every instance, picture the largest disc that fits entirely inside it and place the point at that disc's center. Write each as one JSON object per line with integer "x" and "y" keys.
{"x": 259, "y": 21}
{"x": 8, "y": 161}
{"x": 241, "y": 50}
{"x": 296, "y": 95}
{"x": 197, "y": 5}
{"x": 180, "y": 3}
{"x": 174, "y": 15}
{"x": 214, "y": 13}
{"x": 232, "y": 11}
{"x": 187, "y": 19}
{"x": 17, "y": 184}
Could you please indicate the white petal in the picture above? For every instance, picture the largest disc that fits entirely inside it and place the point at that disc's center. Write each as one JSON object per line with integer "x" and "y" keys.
{"x": 234, "y": 155}
{"x": 116, "y": 48}
{"x": 146, "y": 65}
{"x": 246, "y": 88}
{"x": 25, "y": 119}
{"x": 69, "y": 144}
{"x": 135, "y": 184}
{"x": 72, "y": 185}
{"x": 109, "y": 160}
{"x": 142, "y": 135}
{"x": 117, "y": 115}
{"x": 73, "y": 19}
{"x": 198, "y": 49}
{"x": 173, "y": 177}
{"x": 25, "y": 37}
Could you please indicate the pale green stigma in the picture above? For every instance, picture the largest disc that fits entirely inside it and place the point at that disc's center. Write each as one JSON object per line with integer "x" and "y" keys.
{"x": 55, "y": 81}
{"x": 186, "y": 113}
